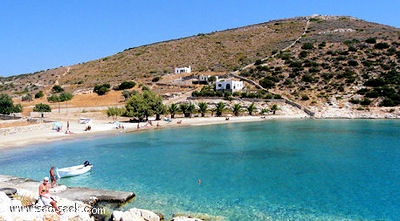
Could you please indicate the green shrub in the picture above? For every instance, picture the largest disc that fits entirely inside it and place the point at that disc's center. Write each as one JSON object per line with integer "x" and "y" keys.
{"x": 57, "y": 89}
{"x": 354, "y": 101}
{"x": 126, "y": 85}
{"x": 352, "y": 63}
{"x": 156, "y": 79}
{"x": 267, "y": 83}
{"x": 381, "y": 45}
{"x": 27, "y": 97}
{"x": 101, "y": 89}
{"x": 39, "y": 94}
{"x": 376, "y": 82}
{"x": 307, "y": 46}
{"x": 303, "y": 54}
{"x": 42, "y": 108}
{"x": 365, "y": 102}
{"x": 305, "y": 97}
{"x": 371, "y": 40}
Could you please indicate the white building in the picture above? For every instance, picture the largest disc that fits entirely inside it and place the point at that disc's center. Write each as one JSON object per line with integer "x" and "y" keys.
{"x": 204, "y": 78}
{"x": 183, "y": 70}
{"x": 229, "y": 85}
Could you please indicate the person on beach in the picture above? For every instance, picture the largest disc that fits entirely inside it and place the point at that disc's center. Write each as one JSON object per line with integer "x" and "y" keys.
{"x": 53, "y": 178}
{"x": 45, "y": 197}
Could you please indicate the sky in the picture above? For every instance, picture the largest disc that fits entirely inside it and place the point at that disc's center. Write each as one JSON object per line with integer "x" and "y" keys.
{"x": 43, "y": 34}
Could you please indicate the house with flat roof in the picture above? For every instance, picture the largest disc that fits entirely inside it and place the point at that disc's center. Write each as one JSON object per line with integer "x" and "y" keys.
{"x": 229, "y": 85}
{"x": 183, "y": 70}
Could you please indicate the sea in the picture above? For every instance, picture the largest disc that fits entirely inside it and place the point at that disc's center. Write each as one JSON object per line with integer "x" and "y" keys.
{"x": 268, "y": 170}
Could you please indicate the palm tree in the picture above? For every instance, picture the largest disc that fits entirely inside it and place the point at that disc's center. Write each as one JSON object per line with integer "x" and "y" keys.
{"x": 264, "y": 111}
{"x": 183, "y": 107}
{"x": 274, "y": 108}
{"x": 190, "y": 109}
{"x": 173, "y": 108}
{"x": 202, "y": 108}
{"x": 236, "y": 109}
{"x": 219, "y": 108}
{"x": 251, "y": 108}
{"x": 187, "y": 109}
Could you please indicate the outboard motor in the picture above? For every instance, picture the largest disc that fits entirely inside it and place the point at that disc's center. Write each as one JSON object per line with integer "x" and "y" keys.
{"x": 86, "y": 163}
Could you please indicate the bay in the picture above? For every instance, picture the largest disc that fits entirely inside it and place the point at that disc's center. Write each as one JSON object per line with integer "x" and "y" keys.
{"x": 268, "y": 170}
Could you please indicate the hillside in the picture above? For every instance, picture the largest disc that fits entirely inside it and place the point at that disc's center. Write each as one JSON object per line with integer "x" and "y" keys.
{"x": 315, "y": 61}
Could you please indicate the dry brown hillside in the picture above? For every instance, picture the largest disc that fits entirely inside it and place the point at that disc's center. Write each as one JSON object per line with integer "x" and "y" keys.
{"x": 311, "y": 60}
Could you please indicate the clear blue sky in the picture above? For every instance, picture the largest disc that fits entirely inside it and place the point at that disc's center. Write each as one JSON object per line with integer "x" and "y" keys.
{"x": 41, "y": 34}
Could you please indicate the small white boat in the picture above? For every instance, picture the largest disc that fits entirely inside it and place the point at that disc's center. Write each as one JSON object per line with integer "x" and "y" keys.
{"x": 74, "y": 170}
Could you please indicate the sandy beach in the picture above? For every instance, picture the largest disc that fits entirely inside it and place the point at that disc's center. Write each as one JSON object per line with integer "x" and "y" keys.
{"x": 19, "y": 136}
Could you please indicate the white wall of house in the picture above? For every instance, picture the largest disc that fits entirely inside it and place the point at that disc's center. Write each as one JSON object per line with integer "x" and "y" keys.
{"x": 183, "y": 70}
{"x": 229, "y": 85}
{"x": 204, "y": 78}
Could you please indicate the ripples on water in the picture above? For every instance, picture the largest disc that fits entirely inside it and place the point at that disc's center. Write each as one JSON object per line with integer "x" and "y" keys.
{"x": 292, "y": 170}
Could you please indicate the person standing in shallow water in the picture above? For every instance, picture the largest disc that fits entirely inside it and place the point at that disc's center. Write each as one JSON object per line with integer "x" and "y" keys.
{"x": 53, "y": 178}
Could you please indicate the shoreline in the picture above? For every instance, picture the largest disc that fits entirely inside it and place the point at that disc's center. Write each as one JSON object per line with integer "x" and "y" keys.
{"x": 41, "y": 133}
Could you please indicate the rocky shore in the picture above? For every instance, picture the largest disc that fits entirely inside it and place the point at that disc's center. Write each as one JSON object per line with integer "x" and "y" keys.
{"x": 18, "y": 201}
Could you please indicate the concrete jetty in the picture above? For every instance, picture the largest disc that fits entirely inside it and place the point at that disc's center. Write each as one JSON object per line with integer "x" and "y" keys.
{"x": 85, "y": 195}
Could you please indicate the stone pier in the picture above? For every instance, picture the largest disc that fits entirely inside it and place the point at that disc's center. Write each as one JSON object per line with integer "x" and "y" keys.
{"x": 85, "y": 195}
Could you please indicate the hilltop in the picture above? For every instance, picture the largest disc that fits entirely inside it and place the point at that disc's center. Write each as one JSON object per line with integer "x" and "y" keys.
{"x": 318, "y": 62}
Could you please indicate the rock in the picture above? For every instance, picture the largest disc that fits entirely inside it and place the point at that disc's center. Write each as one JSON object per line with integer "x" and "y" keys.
{"x": 135, "y": 214}
{"x": 126, "y": 216}
{"x": 5, "y": 203}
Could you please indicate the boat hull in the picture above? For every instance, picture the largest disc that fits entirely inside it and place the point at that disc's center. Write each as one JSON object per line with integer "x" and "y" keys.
{"x": 73, "y": 171}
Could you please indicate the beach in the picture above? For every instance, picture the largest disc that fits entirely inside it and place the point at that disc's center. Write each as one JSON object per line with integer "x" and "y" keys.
{"x": 19, "y": 136}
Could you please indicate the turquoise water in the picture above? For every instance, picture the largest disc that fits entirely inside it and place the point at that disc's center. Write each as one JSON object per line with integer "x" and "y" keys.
{"x": 270, "y": 170}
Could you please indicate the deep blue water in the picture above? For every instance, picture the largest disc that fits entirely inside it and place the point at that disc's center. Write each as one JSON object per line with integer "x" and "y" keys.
{"x": 270, "y": 170}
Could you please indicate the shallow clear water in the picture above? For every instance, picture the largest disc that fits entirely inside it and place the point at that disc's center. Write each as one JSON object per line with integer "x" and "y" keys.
{"x": 292, "y": 170}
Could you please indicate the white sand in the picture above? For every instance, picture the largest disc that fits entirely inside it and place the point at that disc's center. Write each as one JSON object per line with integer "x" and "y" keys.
{"x": 44, "y": 132}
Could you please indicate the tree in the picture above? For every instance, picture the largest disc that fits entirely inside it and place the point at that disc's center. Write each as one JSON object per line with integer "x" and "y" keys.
{"x": 236, "y": 109}
{"x": 219, "y": 108}
{"x": 42, "y": 108}
{"x": 115, "y": 112}
{"x": 202, "y": 108}
{"x": 136, "y": 107}
{"x": 57, "y": 89}
{"x": 251, "y": 108}
{"x": 172, "y": 109}
{"x": 65, "y": 96}
{"x": 187, "y": 109}
{"x": 274, "y": 108}
{"x": 143, "y": 105}
{"x": 155, "y": 103}
{"x": 101, "y": 89}
{"x": 6, "y": 104}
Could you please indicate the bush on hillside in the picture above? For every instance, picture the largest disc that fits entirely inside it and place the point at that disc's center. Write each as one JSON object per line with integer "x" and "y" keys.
{"x": 39, "y": 94}
{"x": 57, "y": 89}
{"x": 101, "y": 89}
{"x": 381, "y": 45}
{"x": 371, "y": 40}
{"x": 307, "y": 46}
{"x": 126, "y": 85}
